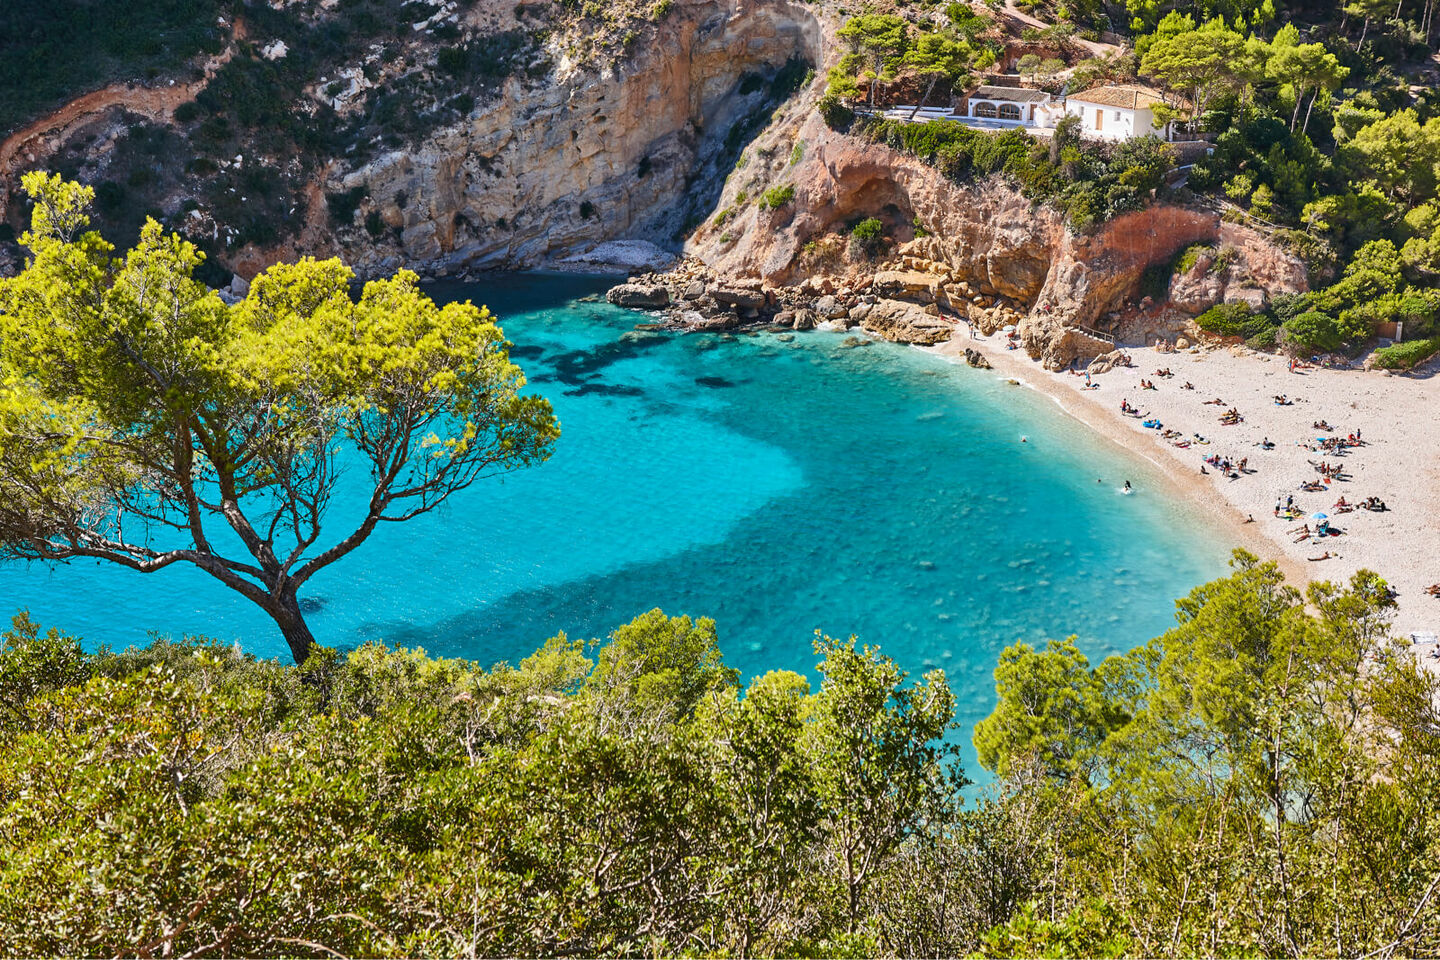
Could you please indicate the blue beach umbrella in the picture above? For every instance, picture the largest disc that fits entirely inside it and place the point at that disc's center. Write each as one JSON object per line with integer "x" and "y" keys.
{"x": 1319, "y": 516}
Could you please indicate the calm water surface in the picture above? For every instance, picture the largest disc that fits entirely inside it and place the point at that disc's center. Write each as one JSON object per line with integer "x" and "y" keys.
{"x": 778, "y": 484}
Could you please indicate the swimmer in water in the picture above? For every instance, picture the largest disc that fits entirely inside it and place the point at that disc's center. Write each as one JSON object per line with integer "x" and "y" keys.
{"x": 1024, "y": 439}
{"x": 1127, "y": 486}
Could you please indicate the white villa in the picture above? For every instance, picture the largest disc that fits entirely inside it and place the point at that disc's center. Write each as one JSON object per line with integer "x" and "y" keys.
{"x": 1113, "y": 112}
{"x": 1119, "y": 112}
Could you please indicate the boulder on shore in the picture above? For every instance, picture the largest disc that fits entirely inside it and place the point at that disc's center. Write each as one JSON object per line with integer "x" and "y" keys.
{"x": 908, "y": 285}
{"x": 640, "y": 296}
{"x": 903, "y": 322}
{"x": 976, "y": 359}
{"x": 738, "y": 298}
{"x": 830, "y": 307}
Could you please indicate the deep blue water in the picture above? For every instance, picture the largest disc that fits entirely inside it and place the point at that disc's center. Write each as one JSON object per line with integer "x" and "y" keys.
{"x": 780, "y": 484}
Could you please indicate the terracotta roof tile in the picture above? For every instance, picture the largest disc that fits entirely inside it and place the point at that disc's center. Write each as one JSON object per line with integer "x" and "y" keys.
{"x": 1129, "y": 96}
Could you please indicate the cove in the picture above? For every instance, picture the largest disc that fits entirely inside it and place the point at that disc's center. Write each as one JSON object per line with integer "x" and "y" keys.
{"x": 779, "y": 483}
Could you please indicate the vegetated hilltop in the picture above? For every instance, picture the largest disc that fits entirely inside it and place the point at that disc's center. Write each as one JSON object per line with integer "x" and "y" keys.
{"x": 462, "y": 136}
{"x": 445, "y": 137}
{"x": 1239, "y": 786}
{"x": 1300, "y": 127}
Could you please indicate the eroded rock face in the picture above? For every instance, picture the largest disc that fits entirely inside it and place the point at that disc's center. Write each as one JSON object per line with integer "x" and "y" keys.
{"x": 1055, "y": 344}
{"x": 551, "y": 170}
{"x": 1242, "y": 266}
{"x": 990, "y": 254}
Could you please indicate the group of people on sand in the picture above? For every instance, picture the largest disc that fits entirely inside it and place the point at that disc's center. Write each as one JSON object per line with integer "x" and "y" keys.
{"x": 1231, "y": 417}
{"x": 1335, "y": 445}
{"x": 1281, "y": 400}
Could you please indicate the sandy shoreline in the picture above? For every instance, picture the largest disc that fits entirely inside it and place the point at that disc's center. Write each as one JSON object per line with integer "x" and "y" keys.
{"x": 1399, "y": 418}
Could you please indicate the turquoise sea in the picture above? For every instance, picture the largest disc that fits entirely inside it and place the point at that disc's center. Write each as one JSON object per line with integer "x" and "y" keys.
{"x": 778, "y": 483}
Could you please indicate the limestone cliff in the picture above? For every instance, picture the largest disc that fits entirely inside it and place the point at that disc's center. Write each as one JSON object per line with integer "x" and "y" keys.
{"x": 982, "y": 238}
{"x": 624, "y": 151}
{"x": 689, "y": 124}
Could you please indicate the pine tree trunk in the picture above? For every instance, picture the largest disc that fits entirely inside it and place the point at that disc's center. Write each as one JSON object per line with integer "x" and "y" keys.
{"x": 1313, "y": 97}
{"x": 285, "y": 611}
{"x": 1295, "y": 114}
{"x": 928, "y": 90}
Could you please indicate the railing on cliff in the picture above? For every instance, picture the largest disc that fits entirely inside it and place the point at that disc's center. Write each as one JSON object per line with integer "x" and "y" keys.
{"x": 1097, "y": 334}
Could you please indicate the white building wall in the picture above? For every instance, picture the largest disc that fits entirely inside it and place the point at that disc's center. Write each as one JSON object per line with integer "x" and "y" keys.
{"x": 1119, "y": 123}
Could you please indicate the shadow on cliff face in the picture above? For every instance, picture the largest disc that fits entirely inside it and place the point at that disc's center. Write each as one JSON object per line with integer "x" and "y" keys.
{"x": 732, "y": 125}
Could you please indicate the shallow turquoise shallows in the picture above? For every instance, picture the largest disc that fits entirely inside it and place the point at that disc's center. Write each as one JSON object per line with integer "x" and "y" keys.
{"x": 778, "y": 483}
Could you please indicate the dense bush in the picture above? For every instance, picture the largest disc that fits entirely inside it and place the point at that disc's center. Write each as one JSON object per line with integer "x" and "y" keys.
{"x": 1190, "y": 256}
{"x": 776, "y": 197}
{"x": 834, "y": 112}
{"x": 867, "y": 237}
{"x": 343, "y": 203}
{"x": 1090, "y": 182}
{"x": 1312, "y": 331}
{"x": 52, "y": 50}
{"x": 631, "y": 798}
{"x": 1403, "y": 356}
{"x": 1236, "y": 319}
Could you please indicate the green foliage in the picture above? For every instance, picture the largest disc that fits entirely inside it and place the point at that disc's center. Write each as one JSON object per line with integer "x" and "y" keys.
{"x": 133, "y": 397}
{"x": 1189, "y": 257}
{"x": 1093, "y": 930}
{"x": 1234, "y": 320}
{"x": 1312, "y": 331}
{"x": 656, "y": 663}
{"x": 54, "y": 50}
{"x": 1403, "y": 356}
{"x": 377, "y": 803}
{"x": 1259, "y": 780}
{"x": 1090, "y": 182}
{"x": 342, "y": 204}
{"x": 878, "y": 42}
{"x": 833, "y": 111}
{"x": 1054, "y": 710}
{"x": 867, "y": 237}
{"x": 777, "y": 197}
{"x": 1399, "y": 154}
{"x": 34, "y": 663}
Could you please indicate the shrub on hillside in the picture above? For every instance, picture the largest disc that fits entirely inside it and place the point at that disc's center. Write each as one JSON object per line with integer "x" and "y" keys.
{"x": 833, "y": 111}
{"x": 1403, "y": 356}
{"x": 777, "y": 197}
{"x": 867, "y": 237}
{"x": 1235, "y": 320}
{"x": 1311, "y": 331}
